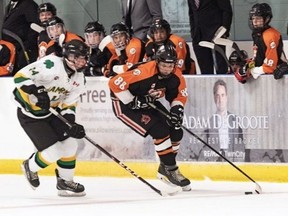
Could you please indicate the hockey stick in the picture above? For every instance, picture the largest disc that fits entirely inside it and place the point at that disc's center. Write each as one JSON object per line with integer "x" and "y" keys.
{"x": 218, "y": 34}
{"x": 36, "y": 27}
{"x": 160, "y": 192}
{"x": 230, "y": 43}
{"x": 216, "y": 48}
{"x": 19, "y": 40}
{"x": 258, "y": 189}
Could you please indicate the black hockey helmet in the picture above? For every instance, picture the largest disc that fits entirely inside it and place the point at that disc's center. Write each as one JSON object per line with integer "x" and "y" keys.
{"x": 166, "y": 53}
{"x": 235, "y": 59}
{"x": 54, "y": 20}
{"x": 75, "y": 47}
{"x": 263, "y": 10}
{"x": 160, "y": 23}
{"x": 119, "y": 28}
{"x": 47, "y": 7}
{"x": 94, "y": 26}
{"x": 71, "y": 51}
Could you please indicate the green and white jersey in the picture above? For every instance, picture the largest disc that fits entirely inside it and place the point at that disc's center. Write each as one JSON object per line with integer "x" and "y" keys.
{"x": 64, "y": 92}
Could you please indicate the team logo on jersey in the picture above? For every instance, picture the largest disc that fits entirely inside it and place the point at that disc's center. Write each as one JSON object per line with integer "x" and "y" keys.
{"x": 180, "y": 44}
{"x": 132, "y": 51}
{"x": 272, "y": 45}
{"x": 136, "y": 72}
{"x": 49, "y": 64}
{"x": 145, "y": 119}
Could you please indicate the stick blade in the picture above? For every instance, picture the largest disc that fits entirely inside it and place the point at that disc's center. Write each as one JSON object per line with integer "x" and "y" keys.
{"x": 224, "y": 42}
{"x": 219, "y": 32}
{"x": 36, "y": 27}
{"x": 61, "y": 39}
{"x": 258, "y": 189}
{"x": 207, "y": 44}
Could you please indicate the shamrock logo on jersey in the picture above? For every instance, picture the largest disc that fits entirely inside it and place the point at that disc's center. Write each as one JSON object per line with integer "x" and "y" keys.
{"x": 49, "y": 64}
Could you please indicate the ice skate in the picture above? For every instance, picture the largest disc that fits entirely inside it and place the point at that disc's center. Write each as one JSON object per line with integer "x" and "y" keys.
{"x": 32, "y": 177}
{"x": 172, "y": 176}
{"x": 68, "y": 188}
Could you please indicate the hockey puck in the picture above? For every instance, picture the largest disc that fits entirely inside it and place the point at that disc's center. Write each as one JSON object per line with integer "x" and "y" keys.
{"x": 248, "y": 193}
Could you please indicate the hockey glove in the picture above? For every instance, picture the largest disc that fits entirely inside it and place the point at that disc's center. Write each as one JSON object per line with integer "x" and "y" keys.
{"x": 43, "y": 100}
{"x": 76, "y": 131}
{"x": 280, "y": 70}
{"x": 176, "y": 116}
{"x": 141, "y": 102}
{"x": 243, "y": 73}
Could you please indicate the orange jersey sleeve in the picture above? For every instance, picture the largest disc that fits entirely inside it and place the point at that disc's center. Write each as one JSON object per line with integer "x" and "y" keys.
{"x": 8, "y": 68}
{"x": 271, "y": 39}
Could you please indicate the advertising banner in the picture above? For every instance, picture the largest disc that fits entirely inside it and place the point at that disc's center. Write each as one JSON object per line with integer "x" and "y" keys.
{"x": 246, "y": 123}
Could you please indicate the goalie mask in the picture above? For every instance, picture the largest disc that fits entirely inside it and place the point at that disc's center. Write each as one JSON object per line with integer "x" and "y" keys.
{"x": 55, "y": 27}
{"x": 166, "y": 58}
{"x": 94, "y": 33}
{"x": 120, "y": 36}
{"x": 160, "y": 31}
{"x": 259, "y": 17}
{"x": 75, "y": 54}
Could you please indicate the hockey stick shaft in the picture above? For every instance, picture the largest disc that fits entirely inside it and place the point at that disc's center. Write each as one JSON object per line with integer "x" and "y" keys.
{"x": 54, "y": 112}
{"x": 19, "y": 40}
{"x": 258, "y": 188}
{"x": 216, "y": 48}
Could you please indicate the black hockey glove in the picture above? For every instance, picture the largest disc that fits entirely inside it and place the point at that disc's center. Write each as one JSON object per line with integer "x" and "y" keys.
{"x": 76, "y": 131}
{"x": 141, "y": 102}
{"x": 280, "y": 70}
{"x": 43, "y": 100}
{"x": 176, "y": 116}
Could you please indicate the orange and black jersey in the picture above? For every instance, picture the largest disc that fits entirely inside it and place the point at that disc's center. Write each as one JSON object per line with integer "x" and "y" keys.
{"x": 268, "y": 48}
{"x": 132, "y": 54}
{"x": 145, "y": 78}
{"x": 48, "y": 46}
{"x": 7, "y": 69}
{"x": 182, "y": 49}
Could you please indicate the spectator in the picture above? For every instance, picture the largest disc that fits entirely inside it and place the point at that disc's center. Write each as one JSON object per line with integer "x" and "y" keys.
{"x": 18, "y": 17}
{"x": 139, "y": 14}
{"x": 132, "y": 92}
{"x": 206, "y": 16}
{"x": 224, "y": 134}
{"x": 7, "y": 58}
{"x": 94, "y": 33}
{"x": 267, "y": 47}
{"x": 123, "y": 51}
{"x": 160, "y": 32}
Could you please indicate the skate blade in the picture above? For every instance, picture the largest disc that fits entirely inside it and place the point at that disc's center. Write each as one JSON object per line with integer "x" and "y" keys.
{"x": 66, "y": 193}
{"x": 166, "y": 181}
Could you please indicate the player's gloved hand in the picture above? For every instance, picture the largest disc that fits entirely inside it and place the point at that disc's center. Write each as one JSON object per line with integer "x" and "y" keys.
{"x": 76, "y": 131}
{"x": 43, "y": 100}
{"x": 243, "y": 73}
{"x": 141, "y": 102}
{"x": 176, "y": 116}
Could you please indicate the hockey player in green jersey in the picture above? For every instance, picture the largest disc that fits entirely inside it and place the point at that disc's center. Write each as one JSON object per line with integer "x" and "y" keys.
{"x": 52, "y": 82}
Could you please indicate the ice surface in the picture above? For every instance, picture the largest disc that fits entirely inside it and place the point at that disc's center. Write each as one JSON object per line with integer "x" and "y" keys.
{"x": 129, "y": 196}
